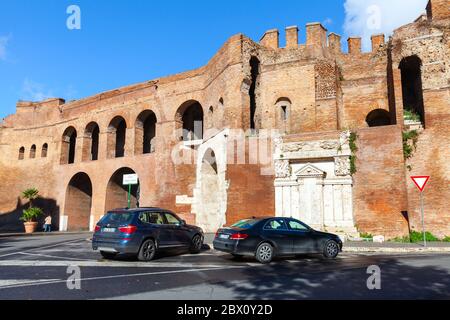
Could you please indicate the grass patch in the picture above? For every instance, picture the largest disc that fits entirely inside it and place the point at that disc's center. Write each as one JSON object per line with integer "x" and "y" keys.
{"x": 446, "y": 239}
{"x": 366, "y": 235}
{"x": 416, "y": 237}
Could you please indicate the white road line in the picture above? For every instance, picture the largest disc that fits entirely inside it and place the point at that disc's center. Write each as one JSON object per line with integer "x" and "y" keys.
{"x": 56, "y": 257}
{"x": 13, "y": 282}
{"x": 40, "y": 282}
{"x": 42, "y": 248}
{"x": 121, "y": 264}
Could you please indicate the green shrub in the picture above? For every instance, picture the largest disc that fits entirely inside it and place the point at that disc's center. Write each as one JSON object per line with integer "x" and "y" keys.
{"x": 31, "y": 214}
{"x": 418, "y": 236}
{"x": 411, "y": 115}
{"x": 366, "y": 235}
{"x": 446, "y": 239}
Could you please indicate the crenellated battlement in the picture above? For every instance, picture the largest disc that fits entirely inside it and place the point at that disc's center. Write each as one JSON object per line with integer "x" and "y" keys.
{"x": 317, "y": 36}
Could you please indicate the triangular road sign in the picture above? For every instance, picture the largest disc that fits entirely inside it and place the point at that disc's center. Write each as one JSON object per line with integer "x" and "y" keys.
{"x": 420, "y": 181}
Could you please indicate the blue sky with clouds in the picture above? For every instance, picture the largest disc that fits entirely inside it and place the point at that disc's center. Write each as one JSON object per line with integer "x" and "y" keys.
{"x": 125, "y": 42}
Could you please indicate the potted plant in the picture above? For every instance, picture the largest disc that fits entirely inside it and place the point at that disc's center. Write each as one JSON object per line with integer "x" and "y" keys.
{"x": 30, "y": 215}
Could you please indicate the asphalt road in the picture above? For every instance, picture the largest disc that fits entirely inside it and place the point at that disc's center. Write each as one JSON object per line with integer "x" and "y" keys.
{"x": 39, "y": 268}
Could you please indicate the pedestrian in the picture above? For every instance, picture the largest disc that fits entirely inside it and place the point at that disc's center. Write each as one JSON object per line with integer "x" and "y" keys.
{"x": 48, "y": 224}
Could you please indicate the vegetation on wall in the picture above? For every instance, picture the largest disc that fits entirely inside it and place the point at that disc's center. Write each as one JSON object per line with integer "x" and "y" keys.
{"x": 411, "y": 116}
{"x": 410, "y": 139}
{"x": 353, "y": 149}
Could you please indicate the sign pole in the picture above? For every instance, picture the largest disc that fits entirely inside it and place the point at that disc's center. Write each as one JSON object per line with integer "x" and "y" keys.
{"x": 423, "y": 220}
{"x": 129, "y": 196}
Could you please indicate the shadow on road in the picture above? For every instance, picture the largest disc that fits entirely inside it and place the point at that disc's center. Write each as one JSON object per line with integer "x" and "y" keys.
{"x": 343, "y": 280}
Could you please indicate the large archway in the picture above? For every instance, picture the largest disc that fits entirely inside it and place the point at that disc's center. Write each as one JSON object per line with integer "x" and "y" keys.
{"x": 209, "y": 215}
{"x": 412, "y": 87}
{"x": 191, "y": 115}
{"x": 117, "y": 193}
{"x": 78, "y": 202}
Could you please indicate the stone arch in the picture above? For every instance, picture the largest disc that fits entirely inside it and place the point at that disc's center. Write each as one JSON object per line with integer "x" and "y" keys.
{"x": 283, "y": 114}
{"x": 116, "y": 140}
{"x": 78, "y": 202}
{"x": 68, "y": 145}
{"x": 378, "y": 118}
{"x": 412, "y": 89}
{"x": 209, "y": 215}
{"x": 190, "y": 116}
{"x": 33, "y": 151}
{"x": 22, "y": 153}
{"x": 145, "y": 132}
{"x": 91, "y": 142}
{"x": 117, "y": 193}
{"x": 44, "y": 150}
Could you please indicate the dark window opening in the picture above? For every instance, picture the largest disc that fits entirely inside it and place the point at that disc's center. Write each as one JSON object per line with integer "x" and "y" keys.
{"x": 378, "y": 118}
{"x": 254, "y": 64}
{"x": 68, "y": 146}
{"x": 284, "y": 113}
{"x": 44, "y": 150}
{"x": 121, "y": 132}
{"x": 94, "y": 143}
{"x": 412, "y": 88}
{"x": 193, "y": 122}
{"x": 149, "y": 133}
{"x": 72, "y": 147}
{"x": 145, "y": 132}
{"x": 33, "y": 151}
{"x": 22, "y": 153}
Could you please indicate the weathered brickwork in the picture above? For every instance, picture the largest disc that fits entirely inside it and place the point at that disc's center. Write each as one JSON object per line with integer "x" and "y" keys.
{"x": 305, "y": 91}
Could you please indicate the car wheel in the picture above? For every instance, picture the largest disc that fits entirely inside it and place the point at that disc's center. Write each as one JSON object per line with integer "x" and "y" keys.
{"x": 147, "y": 251}
{"x": 264, "y": 253}
{"x": 108, "y": 255}
{"x": 331, "y": 250}
{"x": 196, "y": 244}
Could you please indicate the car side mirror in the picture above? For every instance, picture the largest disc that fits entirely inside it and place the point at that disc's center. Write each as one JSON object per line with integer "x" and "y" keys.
{"x": 183, "y": 222}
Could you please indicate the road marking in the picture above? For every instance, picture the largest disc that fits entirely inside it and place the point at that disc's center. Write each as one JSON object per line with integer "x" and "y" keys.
{"x": 43, "y": 282}
{"x": 122, "y": 264}
{"x": 13, "y": 282}
{"x": 42, "y": 248}
{"x": 49, "y": 256}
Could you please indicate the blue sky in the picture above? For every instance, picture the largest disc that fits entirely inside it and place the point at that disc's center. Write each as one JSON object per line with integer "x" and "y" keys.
{"x": 125, "y": 42}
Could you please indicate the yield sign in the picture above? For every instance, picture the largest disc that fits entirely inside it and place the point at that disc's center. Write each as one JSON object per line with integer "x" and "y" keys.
{"x": 420, "y": 181}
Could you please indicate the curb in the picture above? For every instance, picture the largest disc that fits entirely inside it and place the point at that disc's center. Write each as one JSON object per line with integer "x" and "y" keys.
{"x": 36, "y": 234}
{"x": 397, "y": 250}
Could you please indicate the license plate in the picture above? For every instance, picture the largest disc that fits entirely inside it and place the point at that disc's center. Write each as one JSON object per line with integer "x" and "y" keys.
{"x": 224, "y": 236}
{"x": 109, "y": 230}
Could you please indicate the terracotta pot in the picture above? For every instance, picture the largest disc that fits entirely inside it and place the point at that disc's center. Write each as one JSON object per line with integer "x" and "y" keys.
{"x": 30, "y": 227}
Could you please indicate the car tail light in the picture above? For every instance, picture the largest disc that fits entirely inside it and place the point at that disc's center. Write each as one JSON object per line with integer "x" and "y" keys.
{"x": 217, "y": 234}
{"x": 239, "y": 236}
{"x": 128, "y": 229}
{"x": 97, "y": 228}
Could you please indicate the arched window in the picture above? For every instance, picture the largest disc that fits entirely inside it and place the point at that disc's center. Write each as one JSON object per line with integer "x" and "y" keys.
{"x": 68, "y": 146}
{"x": 378, "y": 118}
{"x": 90, "y": 142}
{"x": 145, "y": 132}
{"x": 191, "y": 116}
{"x": 22, "y": 153}
{"x": 44, "y": 150}
{"x": 283, "y": 114}
{"x": 412, "y": 88}
{"x": 33, "y": 151}
{"x": 117, "y": 131}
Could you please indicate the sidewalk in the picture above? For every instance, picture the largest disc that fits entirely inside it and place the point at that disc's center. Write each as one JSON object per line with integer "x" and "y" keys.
{"x": 396, "y": 247}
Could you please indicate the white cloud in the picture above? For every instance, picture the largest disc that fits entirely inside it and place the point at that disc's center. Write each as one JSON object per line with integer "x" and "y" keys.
{"x": 365, "y": 18}
{"x": 3, "y": 44}
{"x": 34, "y": 91}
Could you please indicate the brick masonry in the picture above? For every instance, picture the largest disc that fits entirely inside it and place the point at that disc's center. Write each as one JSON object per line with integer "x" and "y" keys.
{"x": 323, "y": 91}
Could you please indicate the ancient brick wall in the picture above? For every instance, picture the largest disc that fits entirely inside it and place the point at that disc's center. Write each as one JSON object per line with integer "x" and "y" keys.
{"x": 380, "y": 202}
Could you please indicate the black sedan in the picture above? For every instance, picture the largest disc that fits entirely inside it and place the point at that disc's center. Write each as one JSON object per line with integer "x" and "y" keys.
{"x": 266, "y": 238}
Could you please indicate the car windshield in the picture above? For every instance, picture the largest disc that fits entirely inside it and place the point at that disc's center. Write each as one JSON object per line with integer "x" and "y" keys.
{"x": 245, "y": 224}
{"x": 117, "y": 218}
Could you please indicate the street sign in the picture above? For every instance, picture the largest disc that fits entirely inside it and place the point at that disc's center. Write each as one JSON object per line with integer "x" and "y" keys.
{"x": 420, "y": 181}
{"x": 130, "y": 179}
